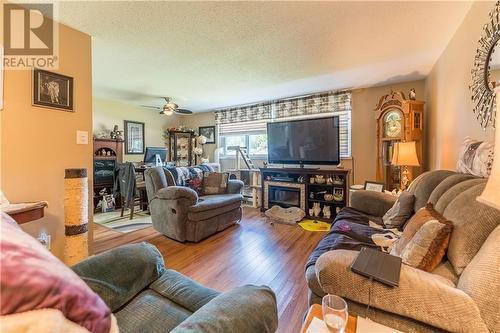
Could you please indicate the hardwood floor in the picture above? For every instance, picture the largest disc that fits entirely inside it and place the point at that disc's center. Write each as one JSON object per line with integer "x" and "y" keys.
{"x": 252, "y": 252}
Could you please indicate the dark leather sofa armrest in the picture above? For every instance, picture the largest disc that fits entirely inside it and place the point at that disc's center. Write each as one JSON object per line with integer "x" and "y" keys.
{"x": 119, "y": 274}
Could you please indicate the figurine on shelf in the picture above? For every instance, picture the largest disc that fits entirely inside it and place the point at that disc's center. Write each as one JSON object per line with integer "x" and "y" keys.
{"x": 320, "y": 179}
{"x": 329, "y": 180}
{"x": 316, "y": 209}
{"x": 338, "y": 194}
{"x": 327, "y": 212}
{"x": 311, "y": 180}
{"x": 338, "y": 180}
{"x": 412, "y": 95}
{"x": 113, "y": 134}
{"x": 328, "y": 197}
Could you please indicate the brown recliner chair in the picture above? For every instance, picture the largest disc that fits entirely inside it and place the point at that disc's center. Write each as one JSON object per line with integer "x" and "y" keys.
{"x": 178, "y": 212}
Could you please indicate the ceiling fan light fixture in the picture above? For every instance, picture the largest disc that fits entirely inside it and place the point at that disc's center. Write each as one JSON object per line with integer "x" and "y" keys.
{"x": 171, "y": 105}
{"x": 167, "y": 112}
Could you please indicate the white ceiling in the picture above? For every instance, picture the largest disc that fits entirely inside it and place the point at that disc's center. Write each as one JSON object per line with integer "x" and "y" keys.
{"x": 214, "y": 54}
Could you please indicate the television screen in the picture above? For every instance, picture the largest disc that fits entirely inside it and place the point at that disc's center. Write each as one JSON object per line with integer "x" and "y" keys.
{"x": 310, "y": 141}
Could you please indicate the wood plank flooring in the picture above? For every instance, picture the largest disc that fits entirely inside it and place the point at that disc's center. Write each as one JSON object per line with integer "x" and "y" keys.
{"x": 252, "y": 252}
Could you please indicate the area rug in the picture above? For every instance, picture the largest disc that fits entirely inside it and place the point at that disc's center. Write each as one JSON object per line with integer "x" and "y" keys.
{"x": 312, "y": 225}
{"x": 123, "y": 224}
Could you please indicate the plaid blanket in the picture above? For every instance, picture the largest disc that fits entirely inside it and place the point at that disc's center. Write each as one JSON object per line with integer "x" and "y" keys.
{"x": 183, "y": 175}
{"x": 350, "y": 231}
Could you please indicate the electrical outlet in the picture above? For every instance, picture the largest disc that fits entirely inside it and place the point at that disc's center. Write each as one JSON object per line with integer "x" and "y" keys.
{"x": 44, "y": 239}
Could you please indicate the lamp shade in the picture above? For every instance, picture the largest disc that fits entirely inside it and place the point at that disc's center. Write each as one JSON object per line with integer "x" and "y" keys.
{"x": 491, "y": 193}
{"x": 405, "y": 153}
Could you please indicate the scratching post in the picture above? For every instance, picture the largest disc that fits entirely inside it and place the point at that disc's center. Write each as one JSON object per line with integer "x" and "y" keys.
{"x": 76, "y": 196}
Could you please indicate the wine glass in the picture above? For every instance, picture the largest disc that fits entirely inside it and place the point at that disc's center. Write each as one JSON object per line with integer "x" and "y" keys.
{"x": 335, "y": 313}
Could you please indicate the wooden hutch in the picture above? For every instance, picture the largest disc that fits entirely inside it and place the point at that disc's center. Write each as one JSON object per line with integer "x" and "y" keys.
{"x": 398, "y": 120}
{"x": 180, "y": 148}
{"x": 107, "y": 153}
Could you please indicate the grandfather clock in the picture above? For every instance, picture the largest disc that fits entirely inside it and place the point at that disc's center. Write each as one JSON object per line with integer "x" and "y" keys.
{"x": 398, "y": 120}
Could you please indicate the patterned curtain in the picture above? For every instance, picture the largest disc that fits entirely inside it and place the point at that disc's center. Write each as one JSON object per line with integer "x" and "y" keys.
{"x": 290, "y": 107}
{"x": 254, "y": 112}
{"x": 313, "y": 104}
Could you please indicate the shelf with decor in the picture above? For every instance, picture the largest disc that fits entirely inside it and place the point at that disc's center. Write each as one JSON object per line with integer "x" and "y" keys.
{"x": 327, "y": 202}
{"x": 293, "y": 187}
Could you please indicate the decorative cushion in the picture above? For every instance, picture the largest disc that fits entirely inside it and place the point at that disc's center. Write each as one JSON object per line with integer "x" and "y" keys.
{"x": 400, "y": 212}
{"x": 475, "y": 157}
{"x": 196, "y": 184}
{"x": 424, "y": 240}
{"x": 215, "y": 183}
{"x": 32, "y": 279}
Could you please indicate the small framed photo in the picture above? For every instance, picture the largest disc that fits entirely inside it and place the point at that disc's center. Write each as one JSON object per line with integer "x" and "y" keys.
{"x": 374, "y": 186}
{"x": 52, "y": 90}
{"x": 134, "y": 137}
{"x": 208, "y": 132}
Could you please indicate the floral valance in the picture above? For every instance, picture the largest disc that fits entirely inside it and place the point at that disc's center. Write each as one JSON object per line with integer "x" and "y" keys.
{"x": 289, "y": 107}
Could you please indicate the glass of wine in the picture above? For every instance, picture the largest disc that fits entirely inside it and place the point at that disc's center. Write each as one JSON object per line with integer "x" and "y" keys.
{"x": 335, "y": 313}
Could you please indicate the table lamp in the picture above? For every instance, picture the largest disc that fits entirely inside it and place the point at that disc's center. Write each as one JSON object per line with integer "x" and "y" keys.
{"x": 405, "y": 155}
{"x": 491, "y": 193}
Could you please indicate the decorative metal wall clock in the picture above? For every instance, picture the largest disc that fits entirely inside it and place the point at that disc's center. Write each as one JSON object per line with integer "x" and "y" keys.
{"x": 485, "y": 62}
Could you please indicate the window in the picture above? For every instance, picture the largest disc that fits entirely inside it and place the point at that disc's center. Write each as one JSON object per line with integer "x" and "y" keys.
{"x": 257, "y": 144}
{"x": 252, "y": 134}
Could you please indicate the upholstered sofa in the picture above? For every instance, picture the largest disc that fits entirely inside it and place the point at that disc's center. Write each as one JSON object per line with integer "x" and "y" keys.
{"x": 179, "y": 213}
{"x": 461, "y": 295}
{"x": 146, "y": 297}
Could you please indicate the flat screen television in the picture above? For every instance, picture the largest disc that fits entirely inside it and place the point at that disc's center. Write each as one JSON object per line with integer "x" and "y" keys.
{"x": 308, "y": 141}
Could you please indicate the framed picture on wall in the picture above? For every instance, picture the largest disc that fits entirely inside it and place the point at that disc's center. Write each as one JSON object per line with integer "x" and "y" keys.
{"x": 52, "y": 90}
{"x": 134, "y": 137}
{"x": 208, "y": 132}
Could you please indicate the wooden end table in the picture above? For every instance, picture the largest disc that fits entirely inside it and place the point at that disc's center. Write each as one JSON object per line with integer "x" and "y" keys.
{"x": 28, "y": 214}
{"x": 315, "y": 311}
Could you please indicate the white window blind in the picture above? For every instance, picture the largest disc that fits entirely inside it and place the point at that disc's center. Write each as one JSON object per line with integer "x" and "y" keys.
{"x": 243, "y": 128}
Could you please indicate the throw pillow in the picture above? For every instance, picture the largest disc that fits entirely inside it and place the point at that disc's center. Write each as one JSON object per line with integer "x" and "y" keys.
{"x": 32, "y": 279}
{"x": 196, "y": 183}
{"x": 400, "y": 212}
{"x": 215, "y": 183}
{"x": 424, "y": 240}
{"x": 475, "y": 157}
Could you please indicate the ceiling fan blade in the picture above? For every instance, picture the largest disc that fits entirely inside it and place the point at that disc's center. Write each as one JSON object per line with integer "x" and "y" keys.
{"x": 151, "y": 107}
{"x": 183, "y": 111}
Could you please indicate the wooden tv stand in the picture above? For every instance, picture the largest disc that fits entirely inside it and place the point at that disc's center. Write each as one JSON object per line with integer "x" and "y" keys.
{"x": 288, "y": 187}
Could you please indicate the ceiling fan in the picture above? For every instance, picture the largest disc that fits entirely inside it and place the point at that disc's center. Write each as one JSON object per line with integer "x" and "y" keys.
{"x": 169, "y": 108}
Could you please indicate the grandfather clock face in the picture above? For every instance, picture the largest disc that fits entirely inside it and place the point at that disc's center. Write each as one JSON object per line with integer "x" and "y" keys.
{"x": 393, "y": 124}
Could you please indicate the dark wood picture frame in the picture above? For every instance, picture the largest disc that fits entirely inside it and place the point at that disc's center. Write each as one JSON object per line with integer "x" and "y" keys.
{"x": 206, "y": 131}
{"x": 130, "y": 148}
{"x": 52, "y": 90}
{"x": 381, "y": 186}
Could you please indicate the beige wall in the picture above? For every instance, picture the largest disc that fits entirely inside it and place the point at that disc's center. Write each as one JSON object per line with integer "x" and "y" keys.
{"x": 363, "y": 127}
{"x": 449, "y": 111}
{"x": 39, "y": 143}
{"x": 108, "y": 113}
